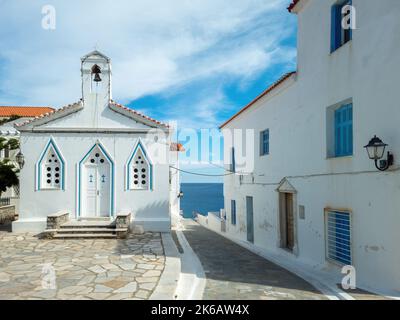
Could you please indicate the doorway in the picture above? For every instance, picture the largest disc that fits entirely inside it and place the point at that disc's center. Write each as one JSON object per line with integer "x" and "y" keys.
{"x": 96, "y": 183}
{"x": 287, "y": 223}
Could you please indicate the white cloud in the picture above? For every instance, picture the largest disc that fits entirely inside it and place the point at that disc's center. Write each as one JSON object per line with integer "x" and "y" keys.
{"x": 155, "y": 46}
{"x": 204, "y": 107}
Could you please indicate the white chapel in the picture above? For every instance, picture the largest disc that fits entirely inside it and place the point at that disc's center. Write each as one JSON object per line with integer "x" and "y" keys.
{"x": 95, "y": 159}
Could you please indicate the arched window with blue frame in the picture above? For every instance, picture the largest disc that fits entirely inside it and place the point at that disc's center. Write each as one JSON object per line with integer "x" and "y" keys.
{"x": 139, "y": 169}
{"x": 50, "y": 168}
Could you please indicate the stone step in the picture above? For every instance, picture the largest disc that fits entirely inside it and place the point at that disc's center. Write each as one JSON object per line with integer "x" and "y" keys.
{"x": 86, "y": 230}
{"x": 85, "y": 236}
{"x": 95, "y": 219}
{"x": 90, "y": 226}
{"x": 87, "y": 224}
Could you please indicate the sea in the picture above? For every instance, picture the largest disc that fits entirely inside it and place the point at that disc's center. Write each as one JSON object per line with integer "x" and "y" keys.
{"x": 201, "y": 198}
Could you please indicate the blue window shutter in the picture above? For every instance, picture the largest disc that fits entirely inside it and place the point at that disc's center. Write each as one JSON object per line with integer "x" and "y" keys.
{"x": 350, "y": 128}
{"x": 338, "y": 150}
{"x": 344, "y": 131}
{"x": 351, "y": 30}
{"x": 339, "y": 237}
{"x": 334, "y": 27}
{"x": 333, "y": 32}
{"x": 265, "y": 142}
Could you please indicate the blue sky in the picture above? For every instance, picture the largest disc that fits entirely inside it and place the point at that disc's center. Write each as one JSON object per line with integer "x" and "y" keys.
{"x": 196, "y": 62}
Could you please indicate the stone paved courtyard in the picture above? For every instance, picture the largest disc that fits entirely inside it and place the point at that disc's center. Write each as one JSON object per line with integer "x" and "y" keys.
{"x": 84, "y": 269}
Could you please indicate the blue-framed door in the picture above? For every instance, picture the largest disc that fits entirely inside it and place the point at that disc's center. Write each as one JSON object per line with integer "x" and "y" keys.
{"x": 96, "y": 184}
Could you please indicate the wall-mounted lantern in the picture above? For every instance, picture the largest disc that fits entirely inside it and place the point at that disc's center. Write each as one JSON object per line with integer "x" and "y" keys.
{"x": 20, "y": 158}
{"x": 180, "y": 195}
{"x": 376, "y": 150}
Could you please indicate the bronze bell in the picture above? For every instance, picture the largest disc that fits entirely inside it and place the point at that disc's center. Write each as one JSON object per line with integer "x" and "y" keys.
{"x": 96, "y": 70}
{"x": 97, "y": 77}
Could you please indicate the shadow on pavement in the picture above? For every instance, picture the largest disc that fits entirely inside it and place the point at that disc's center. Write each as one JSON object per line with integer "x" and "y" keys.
{"x": 241, "y": 273}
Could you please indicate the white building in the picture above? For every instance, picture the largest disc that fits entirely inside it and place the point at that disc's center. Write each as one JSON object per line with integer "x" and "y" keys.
{"x": 175, "y": 192}
{"x": 95, "y": 158}
{"x": 313, "y": 195}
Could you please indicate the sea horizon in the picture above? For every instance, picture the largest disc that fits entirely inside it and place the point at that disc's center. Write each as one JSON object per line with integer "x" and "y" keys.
{"x": 200, "y": 197}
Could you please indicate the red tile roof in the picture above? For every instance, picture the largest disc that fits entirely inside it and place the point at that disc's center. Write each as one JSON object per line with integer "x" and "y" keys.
{"x": 8, "y": 111}
{"x": 268, "y": 90}
{"x": 138, "y": 114}
{"x": 48, "y": 113}
{"x": 79, "y": 103}
{"x": 292, "y": 5}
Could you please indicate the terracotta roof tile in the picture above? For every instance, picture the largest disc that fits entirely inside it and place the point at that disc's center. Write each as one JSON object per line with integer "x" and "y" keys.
{"x": 65, "y": 108}
{"x": 47, "y": 114}
{"x": 138, "y": 114}
{"x": 28, "y": 111}
{"x": 268, "y": 90}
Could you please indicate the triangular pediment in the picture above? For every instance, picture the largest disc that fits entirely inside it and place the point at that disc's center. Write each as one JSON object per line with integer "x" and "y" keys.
{"x": 95, "y": 54}
{"x": 76, "y": 116}
{"x": 286, "y": 187}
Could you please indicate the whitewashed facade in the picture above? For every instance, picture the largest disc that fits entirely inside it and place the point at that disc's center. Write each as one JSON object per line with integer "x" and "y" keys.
{"x": 301, "y": 177}
{"x": 95, "y": 158}
{"x": 175, "y": 182}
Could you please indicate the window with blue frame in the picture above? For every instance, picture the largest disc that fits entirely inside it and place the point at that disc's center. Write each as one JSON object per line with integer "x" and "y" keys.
{"x": 233, "y": 212}
{"x": 50, "y": 173}
{"x": 344, "y": 131}
{"x": 139, "y": 175}
{"x": 338, "y": 237}
{"x": 339, "y": 34}
{"x": 264, "y": 142}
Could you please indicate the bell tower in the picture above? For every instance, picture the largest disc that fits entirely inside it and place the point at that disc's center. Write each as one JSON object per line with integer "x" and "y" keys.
{"x": 96, "y": 80}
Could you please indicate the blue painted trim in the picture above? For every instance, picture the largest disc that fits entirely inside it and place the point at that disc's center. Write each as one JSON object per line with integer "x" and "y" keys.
{"x": 138, "y": 145}
{"x": 336, "y": 24}
{"x": 39, "y": 164}
{"x": 351, "y": 30}
{"x": 264, "y": 136}
{"x": 335, "y": 27}
{"x": 112, "y": 211}
{"x": 112, "y": 178}
{"x": 344, "y": 130}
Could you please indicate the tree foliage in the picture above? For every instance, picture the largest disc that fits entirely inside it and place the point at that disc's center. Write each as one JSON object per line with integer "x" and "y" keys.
{"x": 8, "y": 171}
{"x": 11, "y": 118}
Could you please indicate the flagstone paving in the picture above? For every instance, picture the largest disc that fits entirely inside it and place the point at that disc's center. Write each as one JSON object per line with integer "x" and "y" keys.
{"x": 84, "y": 269}
{"x": 235, "y": 273}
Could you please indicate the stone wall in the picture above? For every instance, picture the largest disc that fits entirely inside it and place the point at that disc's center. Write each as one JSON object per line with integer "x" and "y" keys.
{"x": 122, "y": 225}
{"x": 55, "y": 220}
{"x": 7, "y": 213}
{"x": 212, "y": 222}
